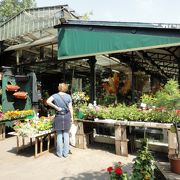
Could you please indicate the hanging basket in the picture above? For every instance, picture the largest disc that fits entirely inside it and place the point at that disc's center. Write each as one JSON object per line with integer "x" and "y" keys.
{"x": 20, "y": 95}
{"x": 11, "y": 87}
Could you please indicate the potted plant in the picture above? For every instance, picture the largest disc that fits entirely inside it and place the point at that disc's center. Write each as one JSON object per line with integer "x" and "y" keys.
{"x": 144, "y": 164}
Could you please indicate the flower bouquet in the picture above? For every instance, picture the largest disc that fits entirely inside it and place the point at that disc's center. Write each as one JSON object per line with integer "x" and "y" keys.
{"x": 116, "y": 172}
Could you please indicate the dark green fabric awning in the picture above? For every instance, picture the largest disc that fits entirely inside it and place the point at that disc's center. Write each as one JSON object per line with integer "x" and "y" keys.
{"x": 83, "y": 42}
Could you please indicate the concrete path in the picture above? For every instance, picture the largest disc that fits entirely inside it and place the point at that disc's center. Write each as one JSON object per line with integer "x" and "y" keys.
{"x": 88, "y": 164}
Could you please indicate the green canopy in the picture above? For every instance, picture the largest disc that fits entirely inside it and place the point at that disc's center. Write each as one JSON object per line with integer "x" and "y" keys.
{"x": 76, "y": 42}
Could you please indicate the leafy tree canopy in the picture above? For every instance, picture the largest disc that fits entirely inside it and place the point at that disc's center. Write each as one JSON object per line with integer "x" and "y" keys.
{"x": 9, "y": 8}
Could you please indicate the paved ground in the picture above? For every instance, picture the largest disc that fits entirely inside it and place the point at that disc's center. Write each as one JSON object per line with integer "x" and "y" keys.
{"x": 89, "y": 164}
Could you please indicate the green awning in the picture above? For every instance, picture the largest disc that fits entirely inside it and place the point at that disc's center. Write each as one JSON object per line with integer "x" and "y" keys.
{"x": 82, "y": 42}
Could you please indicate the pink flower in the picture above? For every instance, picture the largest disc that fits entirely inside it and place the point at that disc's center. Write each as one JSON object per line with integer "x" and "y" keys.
{"x": 118, "y": 171}
{"x": 109, "y": 169}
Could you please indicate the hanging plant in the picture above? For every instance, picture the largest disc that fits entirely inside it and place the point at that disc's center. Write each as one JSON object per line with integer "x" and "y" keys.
{"x": 11, "y": 87}
{"x": 20, "y": 95}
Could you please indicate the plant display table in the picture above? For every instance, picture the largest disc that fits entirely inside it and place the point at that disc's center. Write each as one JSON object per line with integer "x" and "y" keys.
{"x": 121, "y": 141}
{"x": 42, "y": 142}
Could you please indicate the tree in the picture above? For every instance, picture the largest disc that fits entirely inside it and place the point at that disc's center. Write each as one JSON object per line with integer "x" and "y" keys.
{"x": 9, "y": 8}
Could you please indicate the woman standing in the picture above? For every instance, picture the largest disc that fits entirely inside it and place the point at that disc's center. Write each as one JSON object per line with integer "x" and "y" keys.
{"x": 62, "y": 102}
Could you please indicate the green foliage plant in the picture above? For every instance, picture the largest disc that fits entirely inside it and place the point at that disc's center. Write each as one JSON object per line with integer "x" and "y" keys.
{"x": 144, "y": 163}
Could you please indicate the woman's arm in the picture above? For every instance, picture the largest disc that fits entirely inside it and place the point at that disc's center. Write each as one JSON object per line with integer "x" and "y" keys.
{"x": 50, "y": 103}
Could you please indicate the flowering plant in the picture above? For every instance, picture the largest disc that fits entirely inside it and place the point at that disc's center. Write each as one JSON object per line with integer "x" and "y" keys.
{"x": 33, "y": 126}
{"x": 17, "y": 114}
{"x": 79, "y": 97}
{"x": 116, "y": 172}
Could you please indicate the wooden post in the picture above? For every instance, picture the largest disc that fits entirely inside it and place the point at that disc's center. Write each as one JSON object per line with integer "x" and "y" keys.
{"x": 55, "y": 139}
{"x": 41, "y": 144}
{"x": 80, "y": 129}
{"x": 121, "y": 141}
{"x": 48, "y": 141}
{"x": 2, "y": 131}
{"x": 172, "y": 142}
{"x": 82, "y": 139}
{"x": 36, "y": 146}
{"x": 17, "y": 143}
{"x": 80, "y": 136}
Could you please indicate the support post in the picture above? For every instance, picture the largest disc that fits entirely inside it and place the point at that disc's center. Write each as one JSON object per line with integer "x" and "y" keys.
{"x": 121, "y": 141}
{"x": 92, "y": 64}
{"x": 133, "y": 80}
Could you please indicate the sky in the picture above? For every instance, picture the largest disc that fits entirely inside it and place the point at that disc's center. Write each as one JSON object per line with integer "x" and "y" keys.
{"x": 147, "y": 11}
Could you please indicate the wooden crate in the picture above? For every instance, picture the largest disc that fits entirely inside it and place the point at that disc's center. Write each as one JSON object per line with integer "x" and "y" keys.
{"x": 2, "y": 131}
{"x": 83, "y": 140}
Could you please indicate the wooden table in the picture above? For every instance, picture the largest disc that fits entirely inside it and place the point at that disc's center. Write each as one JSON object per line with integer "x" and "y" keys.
{"x": 121, "y": 141}
{"x": 38, "y": 140}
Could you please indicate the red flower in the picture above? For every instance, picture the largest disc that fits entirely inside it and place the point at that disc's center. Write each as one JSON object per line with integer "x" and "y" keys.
{"x": 109, "y": 169}
{"x": 178, "y": 111}
{"x": 118, "y": 170}
{"x": 120, "y": 162}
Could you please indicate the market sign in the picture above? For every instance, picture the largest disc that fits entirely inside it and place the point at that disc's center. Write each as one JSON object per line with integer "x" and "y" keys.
{"x": 77, "y": 42}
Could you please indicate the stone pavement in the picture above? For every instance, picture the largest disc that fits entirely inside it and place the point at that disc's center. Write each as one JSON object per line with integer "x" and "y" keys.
{"x": 88, "y": 164}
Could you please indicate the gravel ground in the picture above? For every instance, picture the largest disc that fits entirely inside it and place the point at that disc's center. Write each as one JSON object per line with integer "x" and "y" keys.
{"x": 88, "y": 164}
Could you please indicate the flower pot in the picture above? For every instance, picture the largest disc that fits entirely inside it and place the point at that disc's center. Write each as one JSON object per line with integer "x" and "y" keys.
{"x": 174, "y": 163}
{"x": 20, "y": 95}
{"x": 11, "y": 87}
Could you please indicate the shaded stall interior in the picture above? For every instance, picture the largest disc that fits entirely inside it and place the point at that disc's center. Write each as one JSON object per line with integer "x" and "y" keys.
{"x": 141, "y": 69}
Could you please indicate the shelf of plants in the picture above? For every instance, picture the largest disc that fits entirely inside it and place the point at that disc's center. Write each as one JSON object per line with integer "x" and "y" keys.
{"x": 161, "y": 107}
{"x": 31, "y": 127}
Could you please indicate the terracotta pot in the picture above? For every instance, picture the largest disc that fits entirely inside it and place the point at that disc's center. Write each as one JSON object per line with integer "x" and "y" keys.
{"x": 11, "y": 87}
{"x": 174, "y": 163}
{"x": 20, "y": 95}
